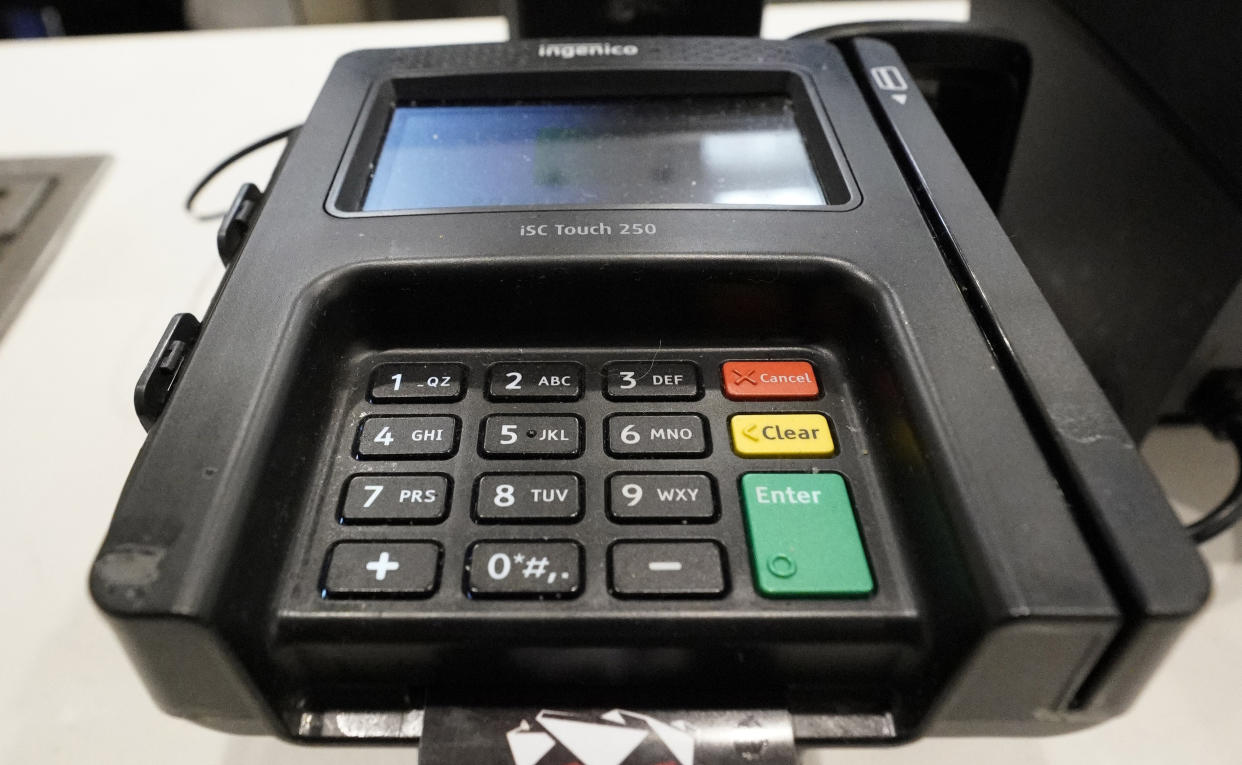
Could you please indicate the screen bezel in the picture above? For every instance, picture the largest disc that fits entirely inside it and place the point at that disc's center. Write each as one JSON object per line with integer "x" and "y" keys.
{"x": 355, "y": 172}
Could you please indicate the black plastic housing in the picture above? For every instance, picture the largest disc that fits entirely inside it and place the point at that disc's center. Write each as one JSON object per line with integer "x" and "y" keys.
{"x": 1029, "y": 573}
{"x": 1124, "y": 197}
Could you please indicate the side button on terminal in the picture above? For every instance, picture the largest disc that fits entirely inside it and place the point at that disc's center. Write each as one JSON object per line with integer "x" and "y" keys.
{"x": 155, "y": 384}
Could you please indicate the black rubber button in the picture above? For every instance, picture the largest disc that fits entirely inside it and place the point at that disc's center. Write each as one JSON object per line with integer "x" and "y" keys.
{"x": 657, "y": 435}
{"x": 418, "y": 382}
{"x": 519, "y": 435}
{"x": 407, "y": 437}
{"x": 661, "y": 497}
{"x": 422, "y": 498}
{"x": 382, "y": 570}
{"x": 645, "y": 380}
{"x": 528, "y": 497}
{"x": 535, "y": 381}
{"x": 667, "y": 569}
{"x": 524, "y": 569}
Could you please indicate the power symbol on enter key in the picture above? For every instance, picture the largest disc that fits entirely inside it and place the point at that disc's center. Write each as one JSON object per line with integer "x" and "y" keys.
{"x": 782, "y": 565}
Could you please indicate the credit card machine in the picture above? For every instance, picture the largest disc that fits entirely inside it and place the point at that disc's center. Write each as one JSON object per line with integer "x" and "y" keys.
{"x": 635, "y": 374}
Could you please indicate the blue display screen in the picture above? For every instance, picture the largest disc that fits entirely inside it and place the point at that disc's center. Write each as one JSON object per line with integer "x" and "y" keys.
{"x": 728, "y": 150}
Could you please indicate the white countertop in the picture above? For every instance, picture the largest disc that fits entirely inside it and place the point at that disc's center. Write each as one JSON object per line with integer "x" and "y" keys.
{"x": 168, "y": 107}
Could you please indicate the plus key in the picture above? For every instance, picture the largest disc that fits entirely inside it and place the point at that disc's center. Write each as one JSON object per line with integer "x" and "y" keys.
{"x": 382, "y": 570}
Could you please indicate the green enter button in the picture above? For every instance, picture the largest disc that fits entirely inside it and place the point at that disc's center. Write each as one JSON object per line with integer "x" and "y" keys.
{"x": 803, "y": 537}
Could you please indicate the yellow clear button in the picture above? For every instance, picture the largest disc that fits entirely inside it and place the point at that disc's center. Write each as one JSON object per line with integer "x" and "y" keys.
{"x": 781, "y": 435}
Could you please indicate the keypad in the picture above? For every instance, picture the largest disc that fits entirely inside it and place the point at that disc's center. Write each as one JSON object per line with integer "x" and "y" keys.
{"x": 696, "y": 478}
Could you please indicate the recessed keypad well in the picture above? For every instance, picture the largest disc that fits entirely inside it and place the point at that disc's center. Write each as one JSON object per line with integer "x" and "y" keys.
{"x": 479, "y": 477}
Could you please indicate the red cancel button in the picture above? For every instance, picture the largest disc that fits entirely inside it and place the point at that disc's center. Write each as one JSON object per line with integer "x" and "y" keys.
{"x": 769, "y": 380}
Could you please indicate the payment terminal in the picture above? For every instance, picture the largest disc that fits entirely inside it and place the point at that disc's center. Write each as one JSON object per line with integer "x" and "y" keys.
{"x": 559, "y": 392}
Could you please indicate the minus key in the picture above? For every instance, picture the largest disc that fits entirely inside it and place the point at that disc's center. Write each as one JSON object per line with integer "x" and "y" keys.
{"x": 680, "y": 569}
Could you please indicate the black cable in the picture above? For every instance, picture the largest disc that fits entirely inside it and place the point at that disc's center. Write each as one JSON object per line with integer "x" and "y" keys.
{"x": 1217, "y": 403}
{"x": 1228, "y": 512}
{"x": 259, "y": 144}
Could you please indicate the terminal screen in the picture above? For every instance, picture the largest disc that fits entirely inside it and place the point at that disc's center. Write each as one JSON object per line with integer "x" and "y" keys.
{"x": 715, "y": 150}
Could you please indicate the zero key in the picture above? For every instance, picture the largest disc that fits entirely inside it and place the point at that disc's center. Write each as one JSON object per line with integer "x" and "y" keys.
{"x": 519, "y": 568}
